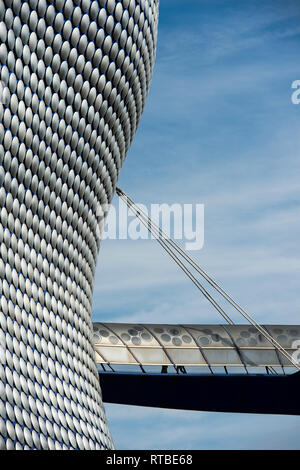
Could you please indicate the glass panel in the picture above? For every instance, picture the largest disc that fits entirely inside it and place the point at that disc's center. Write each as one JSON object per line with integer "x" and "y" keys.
{"x": 151, "y": 356}
{"x": 210, "y": 335}
{"x": 222, "y": 357}
{"x": 117, "y": 355}
{"x": 186, "y": 356}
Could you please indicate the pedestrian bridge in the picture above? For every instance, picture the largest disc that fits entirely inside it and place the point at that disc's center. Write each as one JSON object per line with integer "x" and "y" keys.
{"x": 224, "y": 368}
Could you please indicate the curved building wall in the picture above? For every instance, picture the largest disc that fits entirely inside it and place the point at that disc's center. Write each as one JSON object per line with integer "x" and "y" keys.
{"x": 74, "y": 79}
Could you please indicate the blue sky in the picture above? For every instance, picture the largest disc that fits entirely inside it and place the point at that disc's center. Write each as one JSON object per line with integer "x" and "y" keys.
{"x": 219, "y": 128}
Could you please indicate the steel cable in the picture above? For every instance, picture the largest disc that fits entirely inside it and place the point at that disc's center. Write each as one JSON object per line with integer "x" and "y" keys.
{"x": 163, "y": 239}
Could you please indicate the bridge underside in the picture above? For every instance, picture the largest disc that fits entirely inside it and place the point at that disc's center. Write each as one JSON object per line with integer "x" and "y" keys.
{"x": 268, "y": 394}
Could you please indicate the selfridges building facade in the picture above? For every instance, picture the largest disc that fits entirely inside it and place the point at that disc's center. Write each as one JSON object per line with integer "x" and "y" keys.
{"x": 74, "y": 80}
